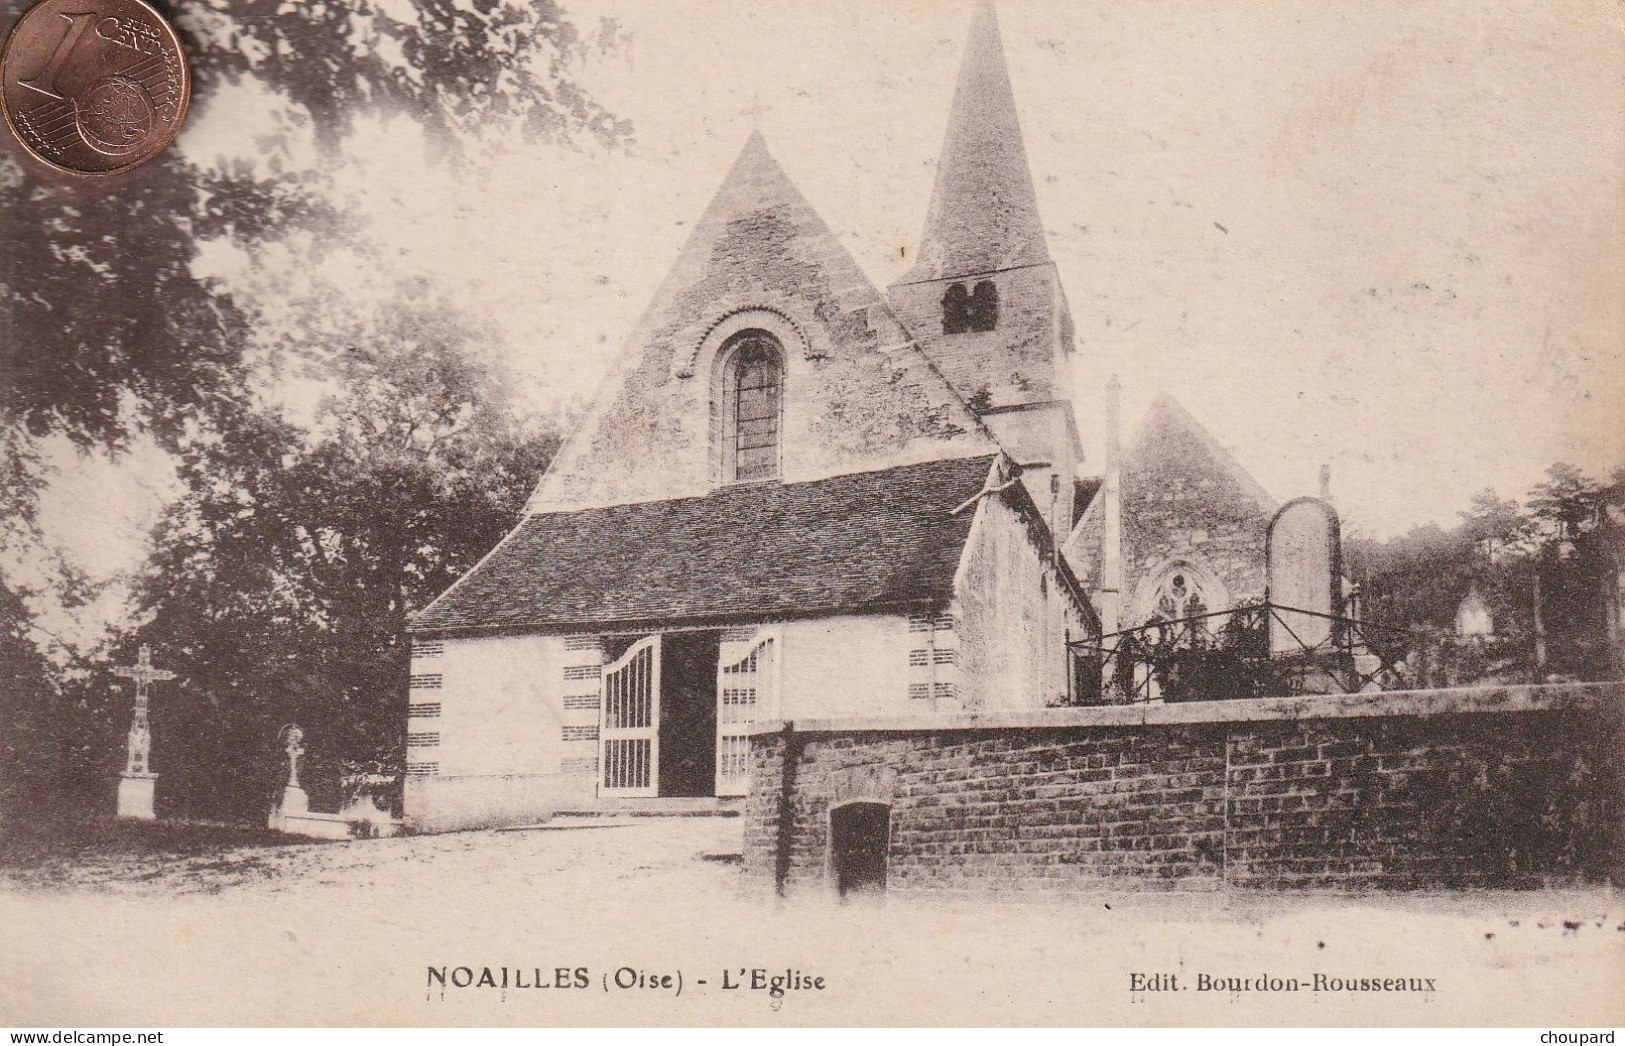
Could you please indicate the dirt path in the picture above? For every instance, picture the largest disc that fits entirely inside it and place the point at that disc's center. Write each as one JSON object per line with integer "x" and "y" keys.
{"x": 258, "y": 934}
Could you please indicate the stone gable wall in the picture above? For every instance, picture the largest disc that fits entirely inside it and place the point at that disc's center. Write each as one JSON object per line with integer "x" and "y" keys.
{"x": 858, "y": 395}
{"x": 1446, "y": 793}
{"x": 1179, "y": 505}
{"x": 1015, "y": 614}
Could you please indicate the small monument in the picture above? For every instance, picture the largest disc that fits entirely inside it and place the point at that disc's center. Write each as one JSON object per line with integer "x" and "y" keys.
{"x": 1303, "y": 576}
{"x": 360, "y": 818}
{"x": 138, "y": 785}
{"x": 295, "y": 802}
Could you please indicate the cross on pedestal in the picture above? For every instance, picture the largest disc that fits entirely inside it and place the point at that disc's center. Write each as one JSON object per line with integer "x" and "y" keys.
{"x": 295, "y": 748}
{"x": 140, "y": 740}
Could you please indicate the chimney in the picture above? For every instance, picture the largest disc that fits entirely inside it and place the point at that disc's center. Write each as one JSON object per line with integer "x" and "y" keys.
{"x": 1326, "y": 484}
{"x": 1111, "y": 558}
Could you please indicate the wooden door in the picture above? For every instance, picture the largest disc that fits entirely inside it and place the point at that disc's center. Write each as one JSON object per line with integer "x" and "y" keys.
{"x": 629, "y": 734}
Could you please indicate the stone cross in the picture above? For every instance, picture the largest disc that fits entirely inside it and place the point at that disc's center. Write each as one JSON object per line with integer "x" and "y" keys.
{"x": 295, "y": 748}
{"x": 140, "y": 739}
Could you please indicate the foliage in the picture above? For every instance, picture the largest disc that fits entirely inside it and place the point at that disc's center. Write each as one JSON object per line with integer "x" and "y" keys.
{"x": 281, "y": 581}
{"x": 284, "y": 578}
{"x": 104, "y": 327}
{"x": 27, "y": 696}
{"x": 1566, "y": 503}
{"x": 1496, "y": 526}
{"x": 451, "y": 63}
{"x": 1560, "y": 542}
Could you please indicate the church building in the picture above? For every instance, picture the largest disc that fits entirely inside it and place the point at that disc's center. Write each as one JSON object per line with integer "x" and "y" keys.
{"x": 1175, "y": 529}
{"x": 794, "y": 496}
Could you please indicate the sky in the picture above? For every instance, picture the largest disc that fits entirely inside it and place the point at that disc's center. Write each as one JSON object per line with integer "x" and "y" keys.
{"x": 1384, "y": 236}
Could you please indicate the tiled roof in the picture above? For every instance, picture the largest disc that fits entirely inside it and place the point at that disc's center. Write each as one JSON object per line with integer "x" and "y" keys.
{"x": 843, "y": 545}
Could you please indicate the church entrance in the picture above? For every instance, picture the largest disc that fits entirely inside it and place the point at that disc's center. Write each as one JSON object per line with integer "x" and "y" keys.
{"x": 678, "y": 709}
{"x": 688, "y": 714}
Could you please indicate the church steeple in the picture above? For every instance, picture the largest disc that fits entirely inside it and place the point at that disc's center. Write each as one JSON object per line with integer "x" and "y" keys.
{"x": 984, "y": 213}
{"x": 983, "y": 299}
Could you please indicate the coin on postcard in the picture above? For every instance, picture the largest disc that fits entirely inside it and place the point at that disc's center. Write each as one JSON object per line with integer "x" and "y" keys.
{"x": 94, "y": 87}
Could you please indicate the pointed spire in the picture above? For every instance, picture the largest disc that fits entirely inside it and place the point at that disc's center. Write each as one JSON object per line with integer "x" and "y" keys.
{"x": 984, "y": 212}
{"x": 754, "y": 161}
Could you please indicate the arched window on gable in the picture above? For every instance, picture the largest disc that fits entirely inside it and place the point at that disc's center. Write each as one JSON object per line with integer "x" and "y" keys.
{"x": 955, "y": 309}
{"x": 753, "y": 395}
{"x": 983, "y": 314}
{"x": 1179, "y": 597}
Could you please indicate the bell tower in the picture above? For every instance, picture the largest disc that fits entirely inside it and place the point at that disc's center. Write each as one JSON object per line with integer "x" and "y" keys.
{"x": 984, "y": 300}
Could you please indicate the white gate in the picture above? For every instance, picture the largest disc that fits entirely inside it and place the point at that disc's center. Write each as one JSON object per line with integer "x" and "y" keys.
{"x": 629, "y": 736}
{"x": 745, "y": 689}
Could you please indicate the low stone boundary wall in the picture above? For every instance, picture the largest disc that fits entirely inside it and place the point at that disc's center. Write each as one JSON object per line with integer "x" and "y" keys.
{"x": 1504, "y": 786}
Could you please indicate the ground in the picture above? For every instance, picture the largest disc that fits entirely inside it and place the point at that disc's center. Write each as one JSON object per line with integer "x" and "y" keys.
{"x": 127, "y": 925}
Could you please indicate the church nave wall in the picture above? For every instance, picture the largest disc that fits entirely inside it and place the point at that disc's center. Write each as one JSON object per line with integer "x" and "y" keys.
{"x": 513, "y": 734}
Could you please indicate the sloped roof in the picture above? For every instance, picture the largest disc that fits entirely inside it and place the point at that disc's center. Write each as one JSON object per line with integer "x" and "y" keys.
{"x": 1168, "y": 415}
{"x": 1083, "y": 495}
{"x": 984, "y": 212}
{"x": 849, "y": 544}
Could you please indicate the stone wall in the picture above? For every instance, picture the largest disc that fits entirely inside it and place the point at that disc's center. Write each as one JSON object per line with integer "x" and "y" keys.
{"x": 1188, "y": 507}
{"x": 1024, "y": 359}
{"x": 503, "y": 730}
{"x": 1513, "y": 786}
{"x": 1016, "y": 611}
{"x": 859, "y": 395}
{"x": 812, "y": 652}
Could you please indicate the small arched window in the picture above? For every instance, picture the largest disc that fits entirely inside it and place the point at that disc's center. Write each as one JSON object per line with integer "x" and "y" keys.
{"x": 753, "y": 399}
{"x": 984, "y": 306}
{"x": 955, "y": 309}
{"x": 974, "y": 310}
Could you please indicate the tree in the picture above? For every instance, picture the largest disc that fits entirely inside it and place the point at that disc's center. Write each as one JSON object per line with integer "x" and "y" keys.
{"x": 104, "y": 328}
{"x": 1495, "y": 525}
{"x": 1566, "y": 504}
{"x": 27, "y": 691}
{"x": 282, "y": 582}
{"x": 107, "y": 331}
{"x": 1578, "y": 571}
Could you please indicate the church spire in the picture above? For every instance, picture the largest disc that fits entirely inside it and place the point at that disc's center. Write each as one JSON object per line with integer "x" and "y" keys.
{"x": 984, "y": 213}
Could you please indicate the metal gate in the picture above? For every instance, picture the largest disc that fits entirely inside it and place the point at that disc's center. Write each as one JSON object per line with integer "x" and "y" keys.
{"x": 629, "y": 736}
{"x": 744, "y": 689}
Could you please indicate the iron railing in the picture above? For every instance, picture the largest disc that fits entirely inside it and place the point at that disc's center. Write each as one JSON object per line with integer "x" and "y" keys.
{"x": 1226, "y": 654}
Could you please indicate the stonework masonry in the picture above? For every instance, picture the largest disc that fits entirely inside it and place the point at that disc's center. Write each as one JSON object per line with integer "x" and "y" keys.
{"x": 1023, "y": 360}
{"x": 1014, "y": 651}
{"x": 1503, "y": 787}
{"x": 1187, "y": 506}
{"x": 859, "y": 394}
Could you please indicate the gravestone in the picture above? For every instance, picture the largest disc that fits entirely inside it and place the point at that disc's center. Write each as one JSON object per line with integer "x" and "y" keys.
{"x": 1302, "y": 575}
{"x": 138, "y": 785}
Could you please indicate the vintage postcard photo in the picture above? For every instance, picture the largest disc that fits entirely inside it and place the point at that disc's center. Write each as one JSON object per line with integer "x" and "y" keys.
{"x": 914, "y": 512}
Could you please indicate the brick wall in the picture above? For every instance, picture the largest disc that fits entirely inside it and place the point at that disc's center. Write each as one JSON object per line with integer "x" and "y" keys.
{"x": 1516, "y": 786}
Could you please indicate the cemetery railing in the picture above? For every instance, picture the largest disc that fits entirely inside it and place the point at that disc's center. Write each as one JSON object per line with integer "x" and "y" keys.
{"x": 1227, "y": 654}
